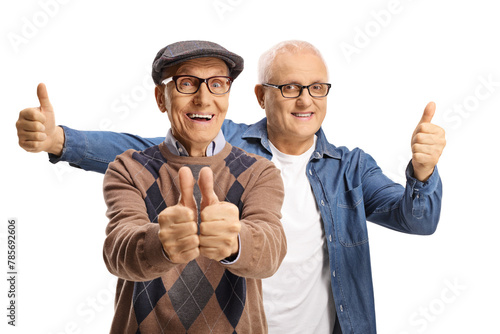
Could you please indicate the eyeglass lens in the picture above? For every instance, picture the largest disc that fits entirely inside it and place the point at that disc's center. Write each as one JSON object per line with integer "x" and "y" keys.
{"x": 316, "y": 90}
{"x": 191, "y": 84}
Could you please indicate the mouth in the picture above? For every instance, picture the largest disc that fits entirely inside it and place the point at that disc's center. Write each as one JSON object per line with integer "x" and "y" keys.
{"x": 302, "y": 114}
{"x": 200, "y": 117}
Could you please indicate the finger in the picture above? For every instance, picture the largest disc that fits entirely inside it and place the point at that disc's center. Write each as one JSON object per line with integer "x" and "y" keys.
{"x": 206, "y": 184}
{"x": 43, "y": 97}
{"x": 429, "y": 111}
{"x": 423, "y": 148}
{"x": 186, "y": 184}
{"x": 29, "y": 126}
{"x": 32, "y": 136}
{"x": 183, "y": 256}
{"x": 31, "y": 115}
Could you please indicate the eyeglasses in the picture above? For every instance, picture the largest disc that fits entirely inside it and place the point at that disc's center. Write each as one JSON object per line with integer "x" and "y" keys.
{"x": 316, "y": 89}
{"x": 189, "y": 84}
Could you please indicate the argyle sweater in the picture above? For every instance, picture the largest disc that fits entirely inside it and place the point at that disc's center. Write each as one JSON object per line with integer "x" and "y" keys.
{"x": 155, "y": 295}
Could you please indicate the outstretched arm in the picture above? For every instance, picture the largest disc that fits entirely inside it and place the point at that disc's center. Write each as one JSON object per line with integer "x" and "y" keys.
{"x": 90, "y": 150}
{"x": 416, "y": 208}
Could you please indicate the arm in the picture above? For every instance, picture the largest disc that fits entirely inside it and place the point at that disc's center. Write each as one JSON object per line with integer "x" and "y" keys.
{"x": 263, "y": 242}
{"x": 94, "y": 150}
{"x": 413, "y": 209}
{"x": 90, "y": 150}
{"x": 132, "y": 249}
{"x": 416, "y": 208}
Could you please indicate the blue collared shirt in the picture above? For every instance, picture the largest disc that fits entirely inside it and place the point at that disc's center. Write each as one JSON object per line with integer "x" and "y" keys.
{"x": 349, "y": 187}
{"x": 177, "y": 148}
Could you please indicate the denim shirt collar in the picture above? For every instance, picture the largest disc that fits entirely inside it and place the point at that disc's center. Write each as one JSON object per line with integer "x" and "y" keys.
{"x": 323, "y": 148}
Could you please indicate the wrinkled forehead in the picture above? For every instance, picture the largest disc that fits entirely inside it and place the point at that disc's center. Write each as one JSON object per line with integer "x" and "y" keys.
{"x": 302, "y": 67}
{"x": 212, "y": 66}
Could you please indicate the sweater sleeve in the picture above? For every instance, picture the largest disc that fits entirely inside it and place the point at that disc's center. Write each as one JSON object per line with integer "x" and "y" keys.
{"x": 263, "y": 242}
{"x": 132, "y": 248}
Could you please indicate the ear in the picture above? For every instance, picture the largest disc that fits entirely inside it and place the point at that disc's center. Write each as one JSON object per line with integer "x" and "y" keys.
{"x": 160, "y": 98}
{"x": 259, "y": 94}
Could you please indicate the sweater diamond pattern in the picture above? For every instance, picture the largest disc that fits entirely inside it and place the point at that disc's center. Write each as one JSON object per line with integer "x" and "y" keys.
{"x": 154, "y": 202}
{"x": 146, "y": 295}
{"x": 151, "y": 159}
{"x": 231, "y": 295}
{"x": 190, "y": 294}
{"x": 238, "y": 162}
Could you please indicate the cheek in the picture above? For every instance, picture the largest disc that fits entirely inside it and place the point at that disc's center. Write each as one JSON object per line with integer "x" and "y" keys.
{"x": 222, "y": 106}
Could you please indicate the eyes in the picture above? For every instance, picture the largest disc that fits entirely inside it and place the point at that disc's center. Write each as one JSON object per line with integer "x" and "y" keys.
{"x": 189, "y": 84}
{"x": 294, "y": 90}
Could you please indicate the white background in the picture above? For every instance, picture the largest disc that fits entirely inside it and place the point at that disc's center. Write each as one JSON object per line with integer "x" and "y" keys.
{"x": 96, "y": 55}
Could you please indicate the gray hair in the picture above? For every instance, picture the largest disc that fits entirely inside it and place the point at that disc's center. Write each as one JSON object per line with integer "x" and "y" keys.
{"x": 292, "y": 46}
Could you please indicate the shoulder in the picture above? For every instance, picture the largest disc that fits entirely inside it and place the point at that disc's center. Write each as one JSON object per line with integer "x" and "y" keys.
{"x": 134, "y": 160}
{"x": 246, "y": 160}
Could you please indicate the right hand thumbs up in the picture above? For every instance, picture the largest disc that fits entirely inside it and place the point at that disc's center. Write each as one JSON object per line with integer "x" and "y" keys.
{"x": 36, "y": 127}
{"x": 178, "y": 224}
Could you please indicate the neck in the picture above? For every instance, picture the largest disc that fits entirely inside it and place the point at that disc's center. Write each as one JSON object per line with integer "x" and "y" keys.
{"x": 195, "y": 149}
{"x": 291, "y": 146}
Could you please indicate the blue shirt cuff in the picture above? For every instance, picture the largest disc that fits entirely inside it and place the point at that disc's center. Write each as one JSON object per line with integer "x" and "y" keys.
{"x": 74, "y": 148}
{"x": 424, "y": 188}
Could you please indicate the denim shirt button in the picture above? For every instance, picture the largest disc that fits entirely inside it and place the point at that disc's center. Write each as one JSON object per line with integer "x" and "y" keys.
{"x": 341, "y": 308}
{"x": 330, "y": 238}
{"x": 333, "y": 273}
{"x": 310, "y": 172}
{"x": 322, "y": 203}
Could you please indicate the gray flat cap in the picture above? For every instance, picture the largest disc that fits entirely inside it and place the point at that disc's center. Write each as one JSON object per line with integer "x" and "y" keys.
{"x": 179, "y": 52}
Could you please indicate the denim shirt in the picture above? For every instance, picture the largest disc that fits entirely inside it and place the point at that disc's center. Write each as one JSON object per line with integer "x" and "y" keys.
{"x": 349, "y": 189}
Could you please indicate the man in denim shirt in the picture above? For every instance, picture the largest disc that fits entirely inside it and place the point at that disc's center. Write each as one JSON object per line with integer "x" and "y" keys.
{"x": 324, "y": 284}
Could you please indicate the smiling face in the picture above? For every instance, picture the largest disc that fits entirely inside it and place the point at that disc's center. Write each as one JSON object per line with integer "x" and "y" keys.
{"x": 195, "y": 118}
{"x": 292, "y": 122}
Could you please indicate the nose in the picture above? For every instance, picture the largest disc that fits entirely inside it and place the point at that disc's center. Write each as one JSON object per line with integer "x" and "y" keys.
{"x": 305, "y": 99}
{"x": 203, "y": 95}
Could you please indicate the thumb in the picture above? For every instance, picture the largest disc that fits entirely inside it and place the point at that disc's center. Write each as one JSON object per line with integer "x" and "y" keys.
{"x": 43, "y": 97}
{"x": 206, "y": 184}
{"x": 429, "y": 111}
{"x": 186, "y": 184}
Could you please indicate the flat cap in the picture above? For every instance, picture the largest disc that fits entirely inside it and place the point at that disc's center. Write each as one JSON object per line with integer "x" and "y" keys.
{"x": 179, "y": 52}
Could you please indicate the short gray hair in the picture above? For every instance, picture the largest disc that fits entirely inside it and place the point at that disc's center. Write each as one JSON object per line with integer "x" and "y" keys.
{"x": 292, "y": 46}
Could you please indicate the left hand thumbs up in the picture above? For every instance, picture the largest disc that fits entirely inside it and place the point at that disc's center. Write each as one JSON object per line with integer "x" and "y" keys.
{"x": 427, "y": 144}
{"x": 220, "y": 222}
{"x": 206, "y": 184}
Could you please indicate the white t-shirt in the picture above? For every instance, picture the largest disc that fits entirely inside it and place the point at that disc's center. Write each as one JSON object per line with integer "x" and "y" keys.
{"x": 298, "y": 297}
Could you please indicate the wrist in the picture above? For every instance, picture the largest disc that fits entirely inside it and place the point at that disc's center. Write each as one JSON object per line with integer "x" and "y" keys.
{"x": 57, "y": 145}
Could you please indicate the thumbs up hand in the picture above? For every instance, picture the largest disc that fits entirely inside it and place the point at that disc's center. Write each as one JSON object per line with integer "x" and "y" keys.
{"x": 427, "y": 144}
{"x": 36, "y": 127}
{"x": 220, "y": 222}
{"x": 178, "y": 224}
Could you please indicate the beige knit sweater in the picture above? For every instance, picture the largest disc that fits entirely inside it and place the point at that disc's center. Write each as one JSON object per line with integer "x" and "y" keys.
{"x": 155, "y": 295}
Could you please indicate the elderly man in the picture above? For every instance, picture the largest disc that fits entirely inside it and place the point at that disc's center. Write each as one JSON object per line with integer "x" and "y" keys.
{"x": 324, "y": 284}
{"x": 190, "y": 255}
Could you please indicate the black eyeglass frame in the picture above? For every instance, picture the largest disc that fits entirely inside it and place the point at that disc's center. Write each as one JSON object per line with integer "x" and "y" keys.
{"x": 201, "y": 80}
{"x": 280, "y": 87}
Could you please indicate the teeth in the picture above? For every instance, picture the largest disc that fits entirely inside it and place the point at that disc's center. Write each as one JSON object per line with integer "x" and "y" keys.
{"x": 192, "y": 116}
{"x": 303, "y": 115}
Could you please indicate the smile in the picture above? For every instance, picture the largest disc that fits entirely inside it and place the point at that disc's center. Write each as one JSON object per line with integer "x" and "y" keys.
{"x": 200, "y": 117}
{"x": 309, "y": 114}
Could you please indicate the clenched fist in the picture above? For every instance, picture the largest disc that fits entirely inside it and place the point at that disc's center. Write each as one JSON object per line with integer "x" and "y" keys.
{"x": 427, "y": 144}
